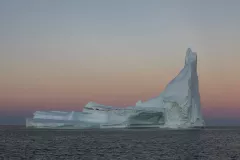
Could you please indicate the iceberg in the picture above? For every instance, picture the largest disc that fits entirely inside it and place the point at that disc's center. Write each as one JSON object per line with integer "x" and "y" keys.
{"x": 178, "y": 106}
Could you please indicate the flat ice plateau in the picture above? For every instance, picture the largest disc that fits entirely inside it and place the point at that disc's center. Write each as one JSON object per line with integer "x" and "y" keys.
{"x": 178, "y": 106}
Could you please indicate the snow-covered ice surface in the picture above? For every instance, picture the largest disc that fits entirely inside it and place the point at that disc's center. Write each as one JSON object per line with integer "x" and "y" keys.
{"x": 178, "y": 106}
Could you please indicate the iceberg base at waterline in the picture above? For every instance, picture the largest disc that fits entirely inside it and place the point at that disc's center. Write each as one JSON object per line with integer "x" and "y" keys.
{"x": 178, "y": 106}
{"x": 91, "y": 118}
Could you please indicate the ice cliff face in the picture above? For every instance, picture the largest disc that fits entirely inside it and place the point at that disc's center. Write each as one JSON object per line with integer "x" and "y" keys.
{"x": 178, "y": 106}
{"x": 181, "y": 98}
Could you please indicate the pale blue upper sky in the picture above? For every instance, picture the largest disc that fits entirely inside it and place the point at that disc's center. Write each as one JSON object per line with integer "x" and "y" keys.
{"x": 87, "y": 26}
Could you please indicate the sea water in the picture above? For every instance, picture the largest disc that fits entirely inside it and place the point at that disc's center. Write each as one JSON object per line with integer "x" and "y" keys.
{"x": 40, "y": 144}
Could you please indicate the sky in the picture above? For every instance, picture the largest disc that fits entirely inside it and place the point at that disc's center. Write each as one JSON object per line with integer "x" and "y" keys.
{"x": 59, "y": 55}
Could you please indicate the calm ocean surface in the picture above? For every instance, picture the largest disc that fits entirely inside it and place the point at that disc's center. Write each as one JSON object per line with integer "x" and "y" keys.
{"x": 210, "y": 143}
